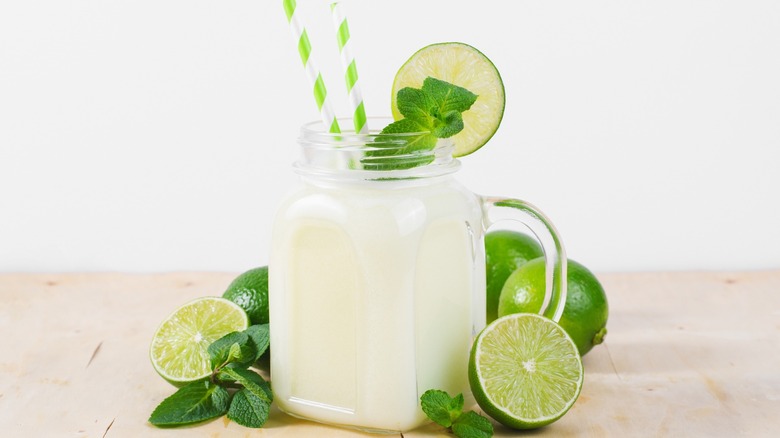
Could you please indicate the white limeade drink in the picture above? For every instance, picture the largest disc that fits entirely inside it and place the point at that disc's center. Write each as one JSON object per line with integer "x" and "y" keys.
{"x": 377, "y": 286}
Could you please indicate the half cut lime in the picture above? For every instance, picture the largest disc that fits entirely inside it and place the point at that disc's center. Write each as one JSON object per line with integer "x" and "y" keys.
{"x": 525, "y": 371}
{"x": 179, "y": 347}
{"x": 464, "y": 66}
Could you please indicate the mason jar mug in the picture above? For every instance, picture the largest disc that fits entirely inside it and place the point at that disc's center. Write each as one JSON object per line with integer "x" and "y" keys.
{"x": 377, "y": 278}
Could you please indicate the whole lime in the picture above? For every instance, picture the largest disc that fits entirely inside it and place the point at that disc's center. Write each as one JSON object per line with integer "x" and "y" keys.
{"x": 585, "y": 315}
{"x": 505, "y": 251}
{"x": 250, "y": 291}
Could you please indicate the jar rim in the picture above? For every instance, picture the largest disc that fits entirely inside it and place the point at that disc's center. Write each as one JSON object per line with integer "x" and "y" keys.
{"x": 317, "y": 130}
{"x": 372, "y": 155}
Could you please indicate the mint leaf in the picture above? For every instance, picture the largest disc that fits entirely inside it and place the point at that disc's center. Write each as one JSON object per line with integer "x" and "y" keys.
{"x": 440, "y": 407}
{"x": 248, "y": 410}
{"x": 448, "y": 97}
{"x": 456, "y": 407}
{"x": 261, "y": 336}
{"x": 234, "y": 349}
{"x": 472, "y": 425}
{"x": 251, "y": 404}
{"x": 195, "y": 402}
{"x": 389, "y": 162}
{"x": 405, "y": 144}
{"x": 448, "y": 412}
{"x": 234, "y": 353}
{"x": 402, "y": 126}
{"x": 389, "y": 151}
{"x": 448, "y": 124}
{"x": 252, "y": 381}
{"x": 416, "y": 105}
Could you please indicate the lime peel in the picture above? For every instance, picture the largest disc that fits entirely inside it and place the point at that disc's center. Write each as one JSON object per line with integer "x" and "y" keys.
{"x": 250, "y": 291}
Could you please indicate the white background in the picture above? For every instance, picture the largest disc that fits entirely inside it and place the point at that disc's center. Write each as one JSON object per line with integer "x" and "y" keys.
{"x": 158, "y": 135}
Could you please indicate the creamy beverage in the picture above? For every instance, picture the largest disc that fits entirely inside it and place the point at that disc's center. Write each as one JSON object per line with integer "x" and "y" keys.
{"x": 377, "y": 278}
{"x": 377, "y": 291}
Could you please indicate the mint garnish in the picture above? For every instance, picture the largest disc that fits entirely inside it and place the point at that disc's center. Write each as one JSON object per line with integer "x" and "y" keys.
{"x": 448, "y": 412}
{"x": 230, "y": 357}
{"x": 434, "y": 110}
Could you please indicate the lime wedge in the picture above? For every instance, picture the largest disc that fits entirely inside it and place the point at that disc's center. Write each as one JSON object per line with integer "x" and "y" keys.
{"x": 179, "y": 347}
{"x": 525, "y": 371}
{"x": 464, "y": 66}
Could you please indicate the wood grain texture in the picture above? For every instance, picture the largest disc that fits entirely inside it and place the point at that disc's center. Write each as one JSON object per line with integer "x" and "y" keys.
{"x": 687, "y": 354}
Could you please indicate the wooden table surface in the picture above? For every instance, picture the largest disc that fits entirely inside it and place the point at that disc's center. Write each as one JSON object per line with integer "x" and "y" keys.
{"x": 687, "y": 354}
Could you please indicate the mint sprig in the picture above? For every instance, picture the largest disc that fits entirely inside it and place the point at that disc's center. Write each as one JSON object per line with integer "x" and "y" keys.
{"x": 433, "y": 111}
{"x": 436, "y": 108}
{"x": 448, "y": 412}
{"x": 249, "y": 399}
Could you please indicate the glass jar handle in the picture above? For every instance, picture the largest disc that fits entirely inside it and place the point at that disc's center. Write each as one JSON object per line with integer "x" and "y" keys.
{"x": 498, "y": 209}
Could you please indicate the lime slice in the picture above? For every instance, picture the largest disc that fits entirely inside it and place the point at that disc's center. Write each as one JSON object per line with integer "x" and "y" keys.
{"x": 525, "y": 371}
{"x": 179, "y": 347}
{"x": 464, "y": 66}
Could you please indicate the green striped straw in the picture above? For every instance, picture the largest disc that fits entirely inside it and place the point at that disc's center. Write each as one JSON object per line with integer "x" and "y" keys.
{"x": 312, "y": 72}
{"x": 350, "y": 69}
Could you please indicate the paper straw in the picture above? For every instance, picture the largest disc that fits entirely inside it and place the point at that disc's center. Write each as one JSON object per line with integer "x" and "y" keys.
{"x": 312, "y": 72}
{"x": 350, "y": 69}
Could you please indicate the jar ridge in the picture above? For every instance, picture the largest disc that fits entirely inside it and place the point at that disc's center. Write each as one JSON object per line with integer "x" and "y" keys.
{"x": 373, "y": 156}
